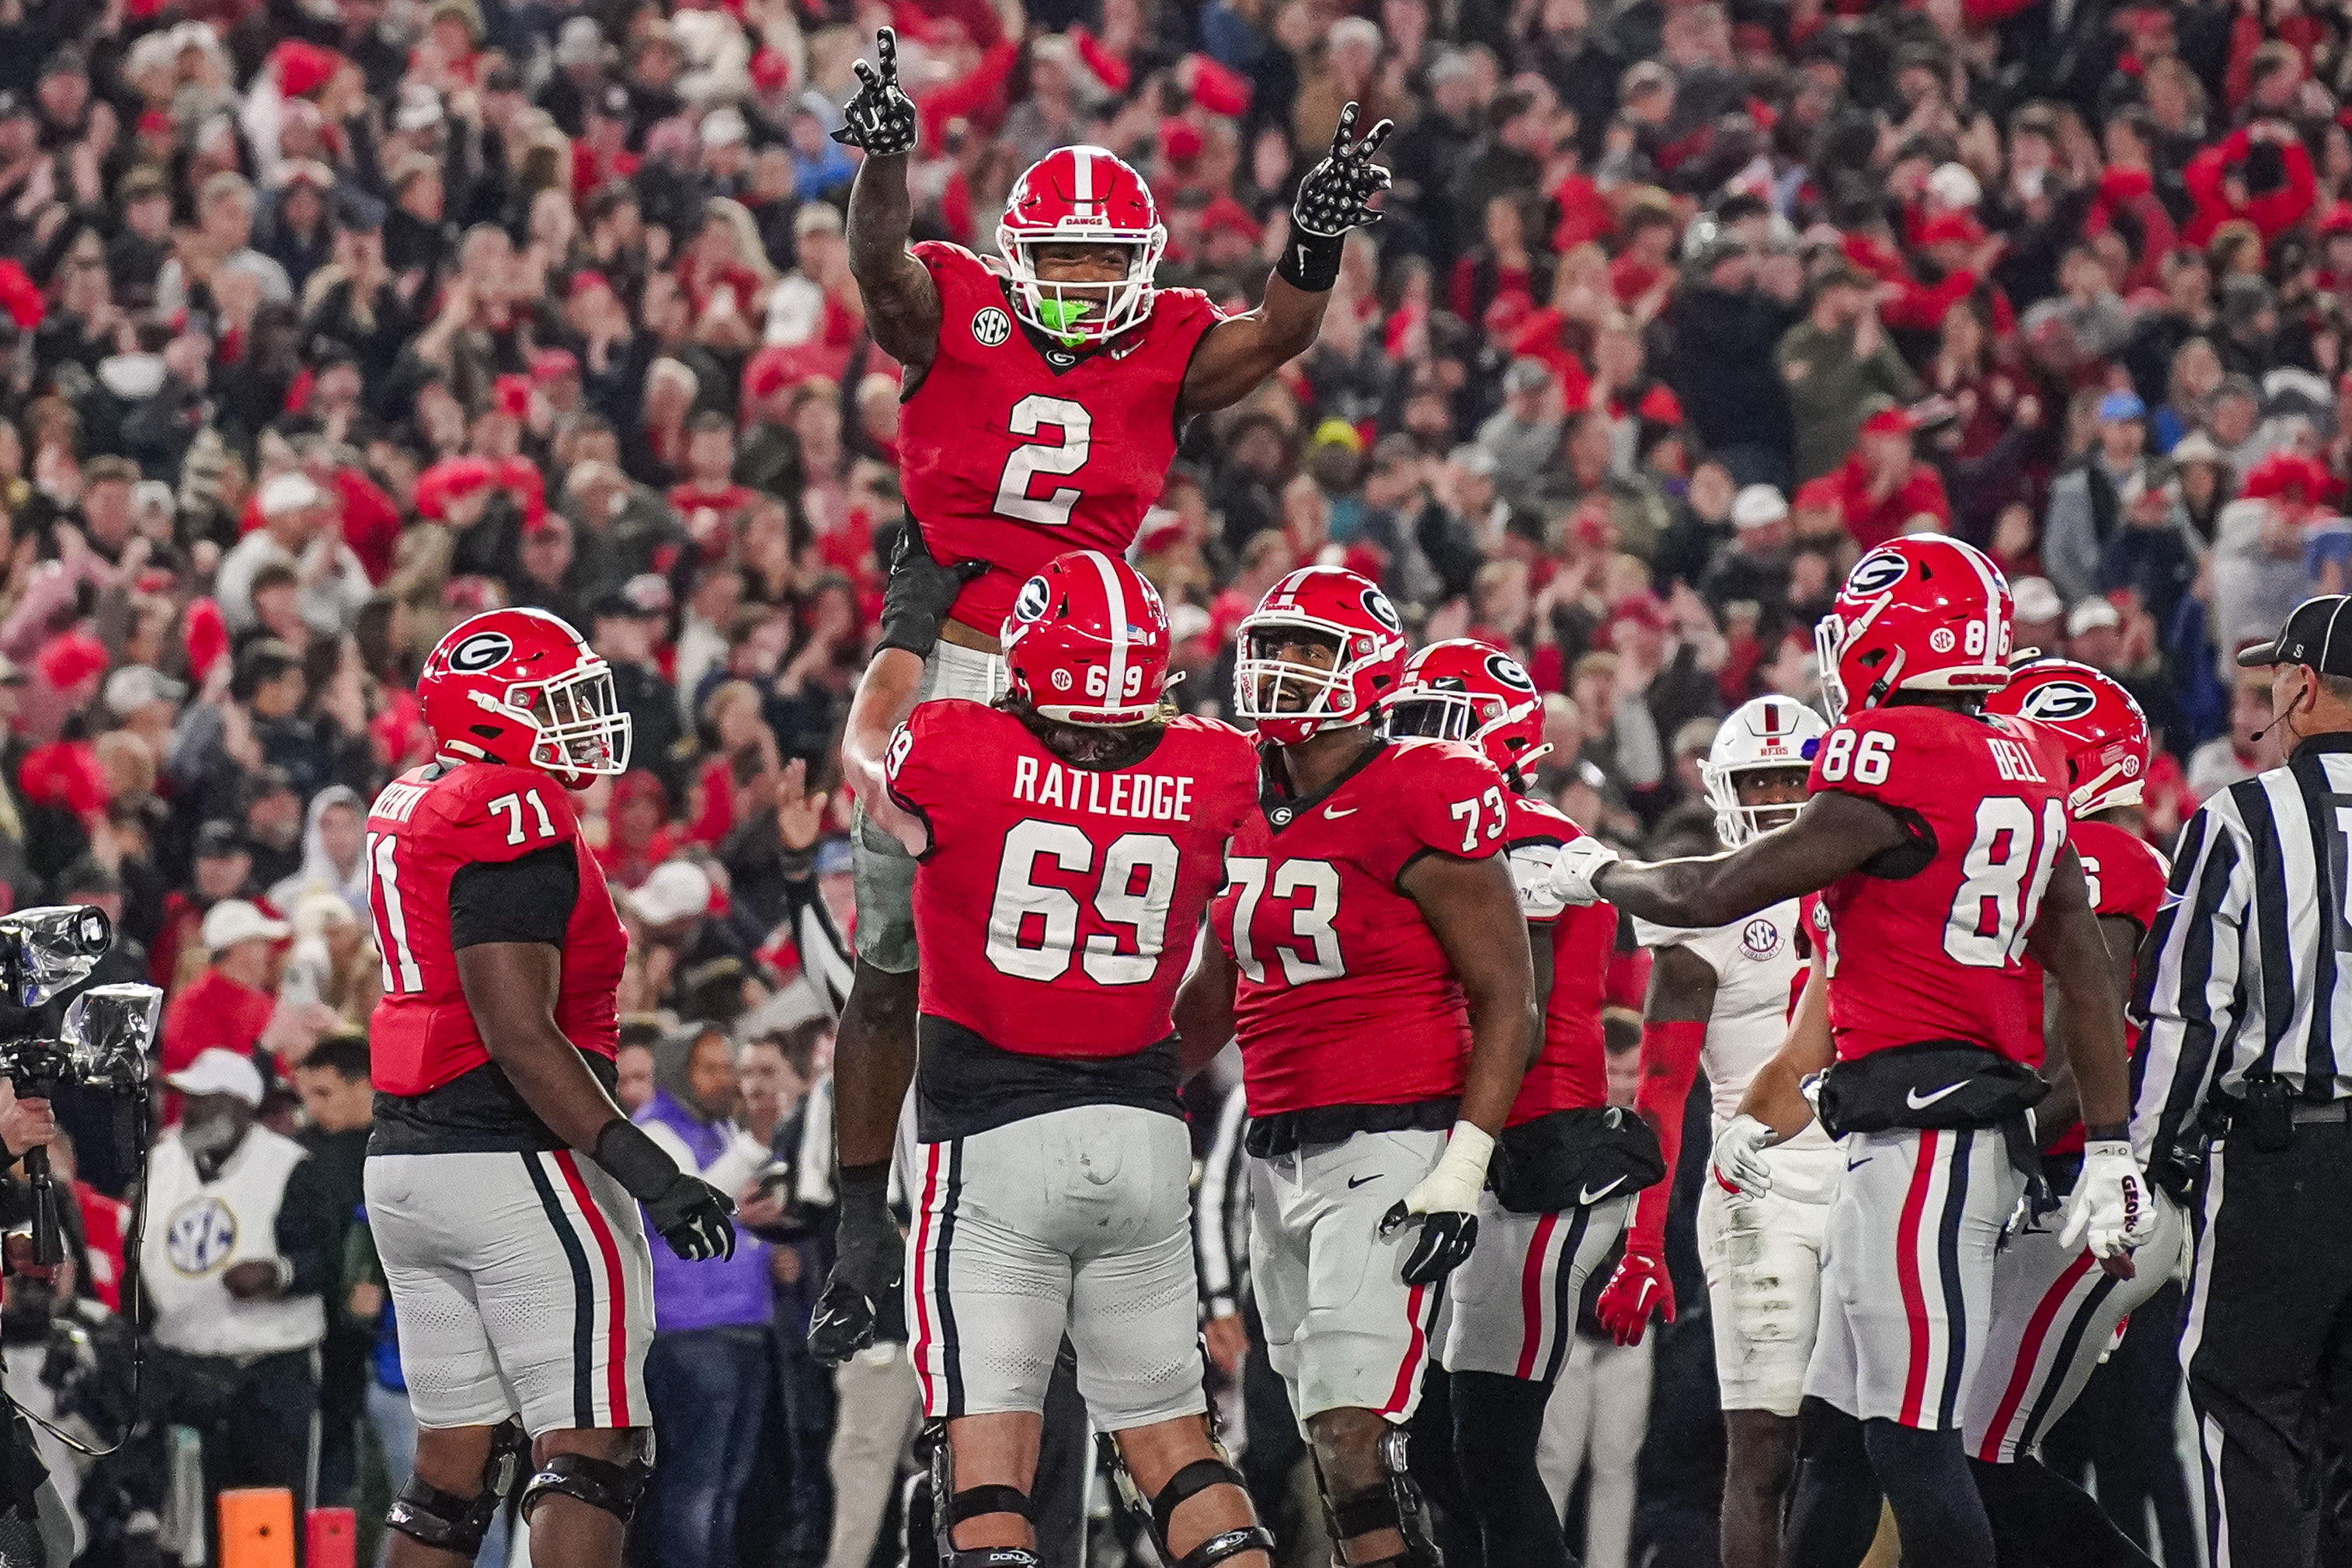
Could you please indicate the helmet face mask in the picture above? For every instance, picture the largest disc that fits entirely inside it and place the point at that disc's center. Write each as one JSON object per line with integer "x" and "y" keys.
{"x": 1322, "y": 651}
{"x": 519, "y": 687}
{"x": 1080, "y": 197}
{"x": 1764, "y": 737}
{"x": 1464, "y": 690}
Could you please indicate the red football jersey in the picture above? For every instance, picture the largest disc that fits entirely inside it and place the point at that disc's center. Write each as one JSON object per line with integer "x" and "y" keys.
{"x": 1344, "y": 996}
{"x": 1941, "y": 953}
{"x": 2126, "y": 877}
{"x": 427, "y": 825}
{"x": 1572, "y": 1072}
{"x": 1012, "y": 458}
{"x": 1057, "y": 906}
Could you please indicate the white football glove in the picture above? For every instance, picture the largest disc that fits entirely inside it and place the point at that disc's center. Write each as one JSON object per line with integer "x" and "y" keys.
{"x": 2110, "y": 1210}
{"x": 1573, "y": 870}
{"x": 1739, "y": 1157}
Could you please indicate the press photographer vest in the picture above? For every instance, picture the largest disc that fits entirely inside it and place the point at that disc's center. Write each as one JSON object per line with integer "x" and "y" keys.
{"x": 197, "y": 1230}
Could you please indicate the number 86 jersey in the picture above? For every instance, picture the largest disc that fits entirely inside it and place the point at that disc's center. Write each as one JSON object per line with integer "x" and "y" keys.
{"x": 1344, "y": 997}
{"x": 1927, "y": 942}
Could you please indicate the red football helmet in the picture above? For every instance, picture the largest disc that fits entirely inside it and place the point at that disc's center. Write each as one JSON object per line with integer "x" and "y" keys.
{"x": 1921, "y": 613}
{"x": 518, "y": 687}
{"x": 2104, "y": 731}
{"x": 1463, "y": 689}
{"x": 1081, "y": 195}
{"x": 1087, "y": 642}
{"x": 1290, "y": 701}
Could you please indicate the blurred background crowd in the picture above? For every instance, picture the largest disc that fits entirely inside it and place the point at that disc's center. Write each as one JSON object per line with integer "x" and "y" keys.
{"x": 324, "y": 323}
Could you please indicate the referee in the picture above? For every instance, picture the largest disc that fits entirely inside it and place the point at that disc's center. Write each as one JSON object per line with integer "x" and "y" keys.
{"x": 2246, "y": 995}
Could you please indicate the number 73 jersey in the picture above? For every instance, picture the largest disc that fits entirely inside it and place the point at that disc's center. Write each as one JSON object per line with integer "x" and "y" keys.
{"x": 1928, "y": 941}
{"x": 1012, "y": 454}
{"x": 1344, "y": 996}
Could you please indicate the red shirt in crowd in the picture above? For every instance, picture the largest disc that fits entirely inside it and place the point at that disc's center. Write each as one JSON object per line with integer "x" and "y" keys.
{"x": 1873, "y": 522}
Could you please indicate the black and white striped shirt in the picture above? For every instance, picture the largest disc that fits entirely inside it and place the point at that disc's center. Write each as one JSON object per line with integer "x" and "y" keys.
{"x": 1220, "y": 1212}
{"x": 2244, "y": 973}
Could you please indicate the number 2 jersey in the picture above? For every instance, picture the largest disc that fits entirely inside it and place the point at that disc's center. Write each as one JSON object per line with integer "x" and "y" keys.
{"x": 1014, "y": 450}
{"x": 1572, "y": 1073}
{"x": 460, "y": 854}
{"x": 1056, "y": 909}
{"x": 1344, "y": 997}
{"x": 1928, "y": 941}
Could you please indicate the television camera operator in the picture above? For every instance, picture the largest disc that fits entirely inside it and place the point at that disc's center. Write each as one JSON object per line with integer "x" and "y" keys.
{"x": 35, "y": 1525}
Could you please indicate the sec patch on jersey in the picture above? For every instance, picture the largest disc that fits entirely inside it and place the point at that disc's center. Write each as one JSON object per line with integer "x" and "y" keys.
{"x": 991, "y": 326}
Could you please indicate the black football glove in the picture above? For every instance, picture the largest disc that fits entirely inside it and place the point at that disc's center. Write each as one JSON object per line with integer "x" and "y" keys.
{"x": 870, "y": 1257}
{"x": 880, "y": 119}
{"x": 920, "y": 593}
{"x": 689, "y": 1213}
{"x": 1337, "y": 193}
{"x": 1444, "y": 1244}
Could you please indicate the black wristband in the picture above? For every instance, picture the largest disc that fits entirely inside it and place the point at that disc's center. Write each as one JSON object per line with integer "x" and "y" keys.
{"x": 1310, "y": 261}
{"x": 864, "y": 1186}
{"x": 634, "y": 1160}
{"x": 796, "y": 864}
{"x": 2106, "y": 1132}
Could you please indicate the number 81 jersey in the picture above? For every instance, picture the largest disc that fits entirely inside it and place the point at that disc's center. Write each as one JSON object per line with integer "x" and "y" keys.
{"x": 1928, "y": 942}
{"x": 1014, "y": 454}
{"x": 1344, "y": 996}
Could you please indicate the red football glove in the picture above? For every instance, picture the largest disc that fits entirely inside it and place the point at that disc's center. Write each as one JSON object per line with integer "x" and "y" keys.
{"x": 1625, "y": 1302}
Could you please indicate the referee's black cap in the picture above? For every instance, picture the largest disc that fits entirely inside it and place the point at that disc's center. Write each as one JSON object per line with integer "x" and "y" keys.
{"x": 2318, "y": 632}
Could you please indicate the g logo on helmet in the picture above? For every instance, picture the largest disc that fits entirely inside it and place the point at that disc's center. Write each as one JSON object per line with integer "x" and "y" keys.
{"x": 1035, "y": 595}
{"x": 1876, "y": 573}
{"x": 2058, "y": 702}
{"x": 482, "y": 651}
{"x": 1507, "y": 672}
{"x": 1376, "y": 605}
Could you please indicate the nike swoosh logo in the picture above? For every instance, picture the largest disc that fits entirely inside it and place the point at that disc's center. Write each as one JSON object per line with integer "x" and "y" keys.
{"x": 1336, "y": 812}
{"x": 1857, "y": 1164}
{"x": 1918, "y": 1102}
{"x": 1355, "y": 1182}
{"x": 1587, "y": 1195}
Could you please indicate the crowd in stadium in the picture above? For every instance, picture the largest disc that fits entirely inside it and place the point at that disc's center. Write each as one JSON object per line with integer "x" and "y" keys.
{"x": 331, "y": 322}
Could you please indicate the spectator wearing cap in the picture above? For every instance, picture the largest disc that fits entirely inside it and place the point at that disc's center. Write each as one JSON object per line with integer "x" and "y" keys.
{"x": 2261, "y": 566}
{"x": 228, "y": 1005}
{"x": 297, "y": 531}
{"x": 233, "y": 1273}
{"x": 135, "y": 255}
{"x": 680, "y": 934}
{"x": 625, "y": 627}
{"x": 2086, "y": 510}
{"x": 2205, "y": 481}
{"x": 1756, "y": 564}
{"x": 1886, "y": 490}
{"x": 222, "y": 869}
{"x": 1724, "y": 328}
{"x": 1835, "y": 363}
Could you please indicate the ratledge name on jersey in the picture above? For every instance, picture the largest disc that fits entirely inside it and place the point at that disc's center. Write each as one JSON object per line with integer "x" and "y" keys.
{"x": 1158, "y": 797}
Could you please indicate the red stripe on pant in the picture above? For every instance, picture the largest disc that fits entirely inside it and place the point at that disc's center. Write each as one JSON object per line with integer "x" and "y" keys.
{"x": 1906, "y": 1274}
{"x": 1532, "y": 1295}
{"x": 920, "y": 1354}
{"x": 1409, "y": 1374}
{"x": 616, "y": 1326}
{"x": 2029, "y": 1353}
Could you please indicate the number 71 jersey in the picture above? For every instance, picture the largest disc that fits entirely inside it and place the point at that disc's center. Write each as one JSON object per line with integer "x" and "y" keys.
{"x": 429, "y": 824}
{"x": 1344, "y": 996}
{"x": 1013, "y": 455}
{"x": 1929, "y": 941}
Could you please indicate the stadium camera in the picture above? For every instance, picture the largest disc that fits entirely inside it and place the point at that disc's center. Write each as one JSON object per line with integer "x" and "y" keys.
{"x": 102, "y": 1046}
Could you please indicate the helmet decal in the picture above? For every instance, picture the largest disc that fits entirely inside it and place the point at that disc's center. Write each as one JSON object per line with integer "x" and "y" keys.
{"x": 1035, "y": 594}
{"x": 482, "y": 651}
{"x": 1377, "y": 604}
{"x": 1507, "y": 670}
{"x": 1876, "y": 573}
{"x": 2058, "y": 701}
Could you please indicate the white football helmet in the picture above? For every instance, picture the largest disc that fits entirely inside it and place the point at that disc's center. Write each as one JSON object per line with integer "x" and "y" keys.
{"x": 1765, "y": 732}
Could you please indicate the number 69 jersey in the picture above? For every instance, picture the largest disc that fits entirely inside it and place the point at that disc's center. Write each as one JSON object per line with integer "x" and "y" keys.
{"x": 1344, "y": 996}
{"x": 1928, "y": 941}
{"x": 1056, "y": 908}
{"x": 1013, "y": 454}
{"x": 427, "y": 828}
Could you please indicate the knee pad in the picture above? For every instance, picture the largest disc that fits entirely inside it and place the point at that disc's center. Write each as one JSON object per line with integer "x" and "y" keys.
{"x": 447, "y": 1522}
{"x": 1396, "y": 1505}
{"x": 1190, "y": 1481}
{"x": 617, "y": 1489}
{"x": 951, "y": 1506}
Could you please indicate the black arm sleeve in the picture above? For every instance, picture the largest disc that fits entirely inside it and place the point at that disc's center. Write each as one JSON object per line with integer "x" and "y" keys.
{"x": 527, "y": 899}
{"x": 308, "y": 1232}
